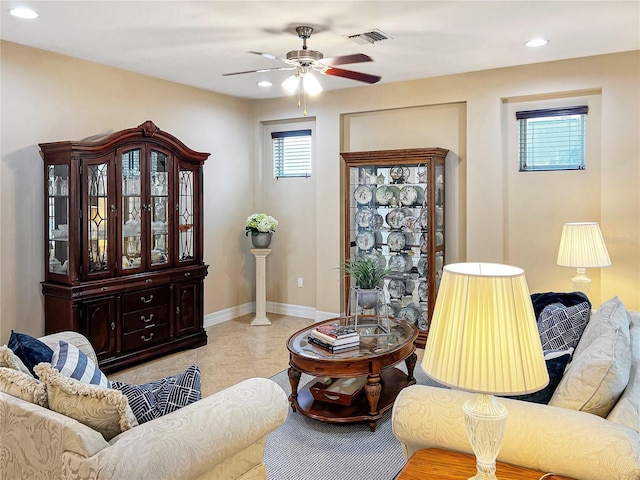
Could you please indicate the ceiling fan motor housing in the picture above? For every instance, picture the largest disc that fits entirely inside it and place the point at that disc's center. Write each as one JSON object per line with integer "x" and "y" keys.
{"x": 304, "y": 57}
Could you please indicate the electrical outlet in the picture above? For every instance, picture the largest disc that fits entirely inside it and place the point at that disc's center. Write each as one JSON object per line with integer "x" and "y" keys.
{"x": 300, "y": 282}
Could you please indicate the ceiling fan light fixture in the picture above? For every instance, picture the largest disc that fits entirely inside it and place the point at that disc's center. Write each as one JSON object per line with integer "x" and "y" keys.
{"x": 311, "y": 84}
{"x": 265, "y": 84}
{"x": 291, "y": 84}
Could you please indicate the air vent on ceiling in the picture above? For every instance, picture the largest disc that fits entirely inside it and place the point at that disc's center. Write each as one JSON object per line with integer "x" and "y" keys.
{"x": 371, "y": 36}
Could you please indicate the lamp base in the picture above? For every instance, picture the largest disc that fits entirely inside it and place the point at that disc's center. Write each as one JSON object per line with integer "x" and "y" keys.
{"x": 485, "y": 419}
{"x": 581, "y": 282}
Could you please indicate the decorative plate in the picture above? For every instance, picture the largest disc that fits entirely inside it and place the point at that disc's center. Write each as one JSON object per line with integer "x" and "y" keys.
{"x": 424, "y": 244}
{"x": 376, "y": 221}
{"x": 409, "y": 313}
{"x": 384, "y": 195}
{"x": 422, "y": 266}
{"x": 395, "y": 218}
{"x": 365, "y": 240}
{"x": 439, "y": 217}
{"x": 397, "y": 174}
{"x": 363, "y": 217}
{"x": 398, "y": 263}
{"x": 408, "y": 195}
{"x": 423, "y": 219}
{"x": 396, "y": 288}
{"x": 396, "y": 241}
{"x": 422, "y": 291}
{"x": 363, "y": 194}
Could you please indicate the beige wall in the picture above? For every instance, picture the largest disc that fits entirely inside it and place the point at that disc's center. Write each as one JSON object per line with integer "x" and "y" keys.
{"x": 505, "y": 222}
{"x": 47, "y": 97}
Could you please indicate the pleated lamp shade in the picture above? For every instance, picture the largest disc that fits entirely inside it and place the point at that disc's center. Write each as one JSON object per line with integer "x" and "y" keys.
{"x": 483, "y": 336}
{"x": 582, "y": 246}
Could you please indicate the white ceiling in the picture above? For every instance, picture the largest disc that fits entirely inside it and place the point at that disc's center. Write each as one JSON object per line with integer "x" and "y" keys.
{"x": 195, "y": 42}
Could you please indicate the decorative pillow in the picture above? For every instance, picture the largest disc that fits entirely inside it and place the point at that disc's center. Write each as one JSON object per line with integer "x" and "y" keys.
{"x": 23, "y": 386}
{"x": 561, "y": 327}
{"x": 541, "y": 300}
{"x": 29, "y": 349}
{"x": 155, "y": 399}
{"x": 9, "y": 359}
{"x": 103, "y": 409}
{"x": 612, "y": 314}
{"x": 72, "y": 363}
{"x": 627, "y": 409}
{"x": 556, "y": 362}
{"x": 598, "y": 374}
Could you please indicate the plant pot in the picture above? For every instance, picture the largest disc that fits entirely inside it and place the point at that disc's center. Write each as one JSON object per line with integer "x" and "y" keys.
{"x": 261, "y": 240}
{"x": 367, "y": 299}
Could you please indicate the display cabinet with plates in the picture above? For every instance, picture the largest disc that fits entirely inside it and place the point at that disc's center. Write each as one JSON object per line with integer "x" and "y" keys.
{"x": 394, "y": 205}
{"x": 123, "y": 243}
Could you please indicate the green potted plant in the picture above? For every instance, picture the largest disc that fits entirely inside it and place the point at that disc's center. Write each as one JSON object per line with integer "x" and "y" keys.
{"x": 261, "y": 227}
{"x": 367, "y": 272}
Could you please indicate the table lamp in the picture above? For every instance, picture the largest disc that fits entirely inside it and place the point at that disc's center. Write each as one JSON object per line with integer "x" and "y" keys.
{"x": 582, "y": 246}
{"x": 483, "y": 338}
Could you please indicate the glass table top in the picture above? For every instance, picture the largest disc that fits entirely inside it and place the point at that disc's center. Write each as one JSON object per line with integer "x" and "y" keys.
{"x": 373, "y": 340}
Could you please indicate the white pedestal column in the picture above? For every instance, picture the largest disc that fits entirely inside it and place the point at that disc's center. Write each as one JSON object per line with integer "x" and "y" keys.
{"x": 261, "y": 285}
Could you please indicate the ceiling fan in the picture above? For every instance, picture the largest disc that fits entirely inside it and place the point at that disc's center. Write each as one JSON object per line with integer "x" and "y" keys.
{"x": 305, "y": 60}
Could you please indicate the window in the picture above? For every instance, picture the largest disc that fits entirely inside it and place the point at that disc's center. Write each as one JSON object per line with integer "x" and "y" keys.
{"x": 291, "y": 153}
{"x": 552, "y": 139}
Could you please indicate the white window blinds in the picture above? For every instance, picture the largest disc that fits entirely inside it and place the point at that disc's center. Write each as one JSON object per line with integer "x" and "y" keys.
{"x": 552, "y": 139}
{"x": 291, "y": 153}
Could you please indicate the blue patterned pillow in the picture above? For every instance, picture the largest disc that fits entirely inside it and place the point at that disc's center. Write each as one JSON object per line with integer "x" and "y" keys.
{"x": 561, "y": 327}
{"x": 72, "y": 363}
{"x": 155, "y": 399}
{"x": 29, "y": 349}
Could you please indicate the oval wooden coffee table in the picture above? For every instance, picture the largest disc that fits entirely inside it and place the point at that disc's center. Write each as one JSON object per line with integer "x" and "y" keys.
{"x": 375, "y": 359}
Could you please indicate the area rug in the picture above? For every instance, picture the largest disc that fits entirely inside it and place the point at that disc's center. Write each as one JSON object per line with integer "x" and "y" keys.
{"x": 307, "y": 449}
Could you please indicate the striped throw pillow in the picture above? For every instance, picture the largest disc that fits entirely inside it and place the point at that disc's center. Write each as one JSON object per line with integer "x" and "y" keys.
{"x": 73, "y": 363}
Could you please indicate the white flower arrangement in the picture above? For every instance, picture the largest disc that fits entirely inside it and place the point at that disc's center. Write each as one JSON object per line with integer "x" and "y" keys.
{"x": 260, "y": 223}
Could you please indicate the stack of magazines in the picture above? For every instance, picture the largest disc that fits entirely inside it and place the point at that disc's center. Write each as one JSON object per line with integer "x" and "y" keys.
{"x": 335, "y": 338}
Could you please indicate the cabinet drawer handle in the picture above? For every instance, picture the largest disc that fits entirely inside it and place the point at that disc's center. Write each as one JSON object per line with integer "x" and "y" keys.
{"x": 188, "y": 274}
{"x": 145, "y": 300}
{"x": 113, "y": 325}
{"x": 148, "y": 280}
{"x": 150, "y": 326}
{"x": 103, "y": 289}
{"x": 145, "y": 339}
{"x": 146, "y": 320}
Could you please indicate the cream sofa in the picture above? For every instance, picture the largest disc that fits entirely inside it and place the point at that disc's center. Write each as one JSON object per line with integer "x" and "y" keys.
{"x": 219, "y": 437}
{"x": 548, "y": 438}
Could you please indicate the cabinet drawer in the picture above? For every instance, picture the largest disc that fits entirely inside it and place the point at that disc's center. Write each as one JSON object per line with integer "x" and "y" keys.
{"x": 145, "y": 338}
{"x": 145, "y": 319}
{"x": 143, "y": 299}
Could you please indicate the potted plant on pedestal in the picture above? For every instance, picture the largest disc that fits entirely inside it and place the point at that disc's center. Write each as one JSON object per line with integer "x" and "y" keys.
{"x": 367, "y": 272}
{"x": 261, "y": 227}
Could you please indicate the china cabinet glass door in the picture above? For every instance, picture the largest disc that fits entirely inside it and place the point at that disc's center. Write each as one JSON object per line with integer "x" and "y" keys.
{"x": 131, "y": 211}
{"x": 186, "y": 213}
{"x": 97, "y": 216}
{"x": 159, "y": 184}
{"x": 58, "y": 218}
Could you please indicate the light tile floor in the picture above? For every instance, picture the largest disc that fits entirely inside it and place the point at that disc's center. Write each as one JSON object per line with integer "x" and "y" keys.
{"x": 234, "y": 352}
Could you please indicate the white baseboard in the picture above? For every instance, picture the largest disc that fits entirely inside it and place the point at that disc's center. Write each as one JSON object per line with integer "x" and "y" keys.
{"x": 215, "y": 318}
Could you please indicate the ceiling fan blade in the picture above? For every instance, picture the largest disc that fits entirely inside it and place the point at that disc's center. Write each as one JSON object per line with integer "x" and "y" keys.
{"x": 266, "y": 55}
{"x": 355, "y": 58}
{"x": 360, "y": 77}
{"x": 258, "y": 71}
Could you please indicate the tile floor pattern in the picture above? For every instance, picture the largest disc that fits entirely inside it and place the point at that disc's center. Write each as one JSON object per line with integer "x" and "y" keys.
{"x": 234, "y": 352}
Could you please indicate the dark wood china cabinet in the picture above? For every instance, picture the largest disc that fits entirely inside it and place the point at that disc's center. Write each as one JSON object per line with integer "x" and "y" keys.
{"x": 123, "y": 243}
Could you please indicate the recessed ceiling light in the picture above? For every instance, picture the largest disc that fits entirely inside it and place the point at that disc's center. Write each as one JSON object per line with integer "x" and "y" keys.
{"x": 265, "y": 83}
{"x": 24, "y": 12}
{"x": 536, "y": 42}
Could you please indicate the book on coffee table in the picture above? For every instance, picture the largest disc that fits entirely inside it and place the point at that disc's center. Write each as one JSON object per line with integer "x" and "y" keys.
{"x": 335, "y": 341}
{"x": 333, "y": 348}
